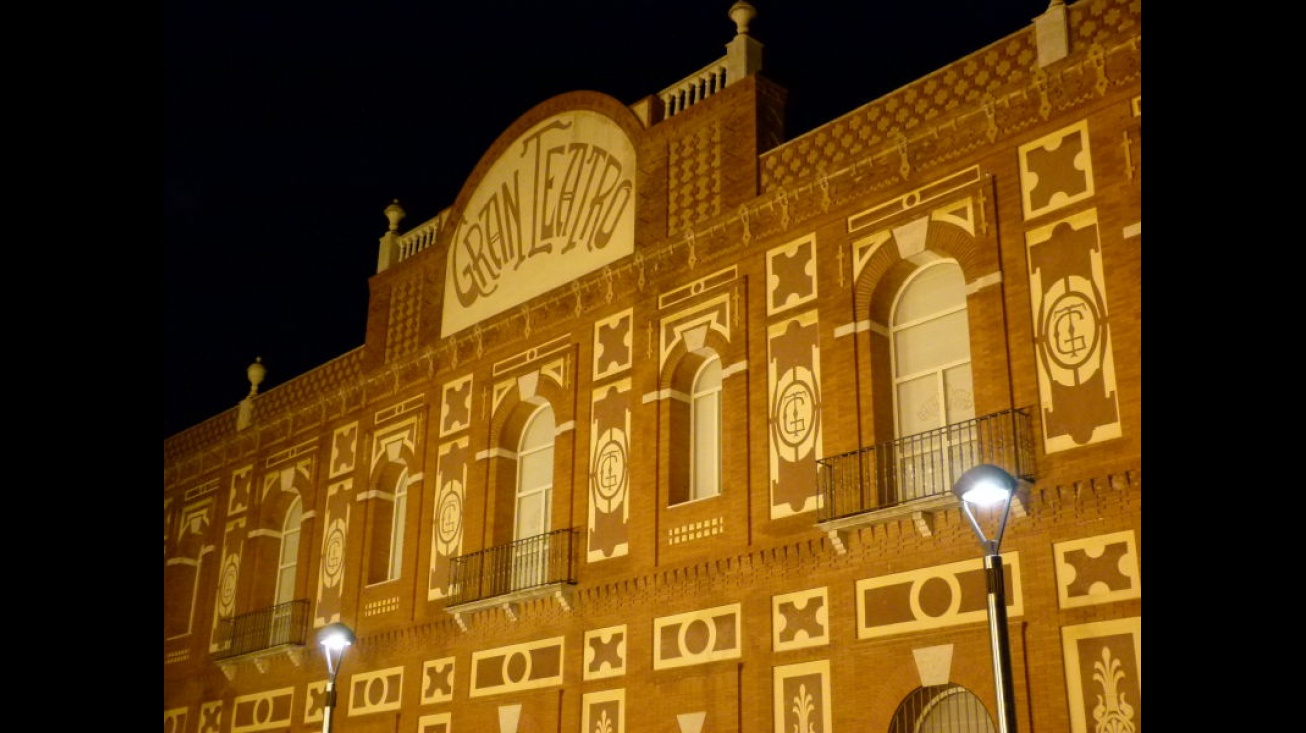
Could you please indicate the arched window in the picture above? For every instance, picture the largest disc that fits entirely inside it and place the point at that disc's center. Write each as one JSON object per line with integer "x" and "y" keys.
{"x": 289, "y": 557}
{"x": 387, "y": 526}
{"x": 535, "y": 474}
{"x": 945, "y": 708}
{"x": 696, "y": 413}
{"x": 534, "y": 498}
{"x": 181, "y": 570}
{"x": 287, "y": 566}
{"x": 930, "y": 350}
{"x": 705, "y": 427}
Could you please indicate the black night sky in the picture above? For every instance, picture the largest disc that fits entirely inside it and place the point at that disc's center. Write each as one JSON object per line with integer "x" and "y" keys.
{"x": 289, "y": 126}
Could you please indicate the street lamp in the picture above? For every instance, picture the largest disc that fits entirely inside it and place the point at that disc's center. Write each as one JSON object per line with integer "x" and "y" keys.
{"x": 334, "y": 638}
{"x": 988, "y": 485}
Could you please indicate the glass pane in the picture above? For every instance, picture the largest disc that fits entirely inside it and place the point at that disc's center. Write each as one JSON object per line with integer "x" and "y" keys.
{"x": 709, "y": 376}
{"x": 707, "y": 438}
{"x": 289, "y": 547}
{"x": 918, "y": 406}
{"x": 294, "y": 515}
{"x": 285, "y": 585}
{"x": 536, "y": 470}
{"x": 540, "y": 430}
{"x": 705, "y": 419}
{"x": 931, "y": 344}
{"x": 289, "y": 553}
{"x": 290, "y": 532}
{"x": 531, "y": 513}
{"x": 960, "y": 393}
{"x": 535, "y": 475}
{"x": 937, "y": 288}
{"x": 397, "y": 534}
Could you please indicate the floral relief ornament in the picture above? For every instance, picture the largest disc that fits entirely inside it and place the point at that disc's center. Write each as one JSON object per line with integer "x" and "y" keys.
{"x": 803, "y": 708}
{"x": 1112, "y": 713}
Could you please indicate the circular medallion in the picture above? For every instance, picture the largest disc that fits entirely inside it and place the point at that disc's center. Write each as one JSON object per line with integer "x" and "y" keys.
{"x": 449, "y": 514}
{"x": 794, "y": 412}
{"x": 935, "y": 596}
{"x": 333, "y": 559}
{"x": 374, "y": 693}
{"x": 1072, "y": 329}
{"x": 697, "y": 636}
{"x": 227, "y": 586}
{"x": 608, "y": 473}
{"x": 516, "y": 667}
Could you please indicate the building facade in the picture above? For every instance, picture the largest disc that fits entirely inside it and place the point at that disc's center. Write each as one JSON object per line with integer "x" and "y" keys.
{"x": 655, "y": 428}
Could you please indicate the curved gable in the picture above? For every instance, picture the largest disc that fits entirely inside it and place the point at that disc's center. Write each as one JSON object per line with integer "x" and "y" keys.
{"x": 557, "y": 202}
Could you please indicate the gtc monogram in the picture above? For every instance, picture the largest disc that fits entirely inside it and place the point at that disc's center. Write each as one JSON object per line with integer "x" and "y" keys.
{"x": 1072, "y": 329}
{"x": 1072, "y": 326}
{"x": 796, "y": 411}
{"x": 794, "y": 415}
{"x": 451, "y": 511}
{"x": 610, "y": 471}
{"x": 1064, "y": 339}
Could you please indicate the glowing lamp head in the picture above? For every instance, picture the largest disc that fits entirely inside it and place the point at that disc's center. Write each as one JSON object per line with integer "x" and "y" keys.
{"x": 985, "y": 485}
{"x": 335, "y": 638}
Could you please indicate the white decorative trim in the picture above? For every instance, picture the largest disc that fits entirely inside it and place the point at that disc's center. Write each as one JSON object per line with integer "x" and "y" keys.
{"x": 850, "y": 328}
{"x": 979, "y": 283}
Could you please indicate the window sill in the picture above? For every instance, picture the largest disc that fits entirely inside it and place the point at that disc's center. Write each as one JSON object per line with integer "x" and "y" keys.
{"x": 693, "y": 501}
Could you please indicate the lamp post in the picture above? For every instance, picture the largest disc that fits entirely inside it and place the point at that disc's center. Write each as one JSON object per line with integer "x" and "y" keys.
{"x": 989, "y": 485}
{"x": 334, "y": 638}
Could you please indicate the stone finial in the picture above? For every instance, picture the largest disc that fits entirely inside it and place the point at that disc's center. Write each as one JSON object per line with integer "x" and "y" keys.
{"x": 395, "y": 213}
{"x": 255, "y": 372}
{"x": 741, "y": 13}
{"x": 1052, "y": 33}
{"x": 743, "y": 53}
{"x": 388, "y": 253}
{"x": 245, "y": 413}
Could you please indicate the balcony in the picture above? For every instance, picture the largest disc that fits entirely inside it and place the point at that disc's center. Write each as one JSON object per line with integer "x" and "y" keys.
{"x": 280, "y": 629}
{"x": 506, "y": 575}
{"x": 913, "y": 476}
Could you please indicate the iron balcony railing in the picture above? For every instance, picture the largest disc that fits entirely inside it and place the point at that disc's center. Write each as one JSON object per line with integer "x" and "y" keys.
{"x": 543, "y": 560}
{"x": 280, "y": 625}
{"x": 923, "y": 465}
